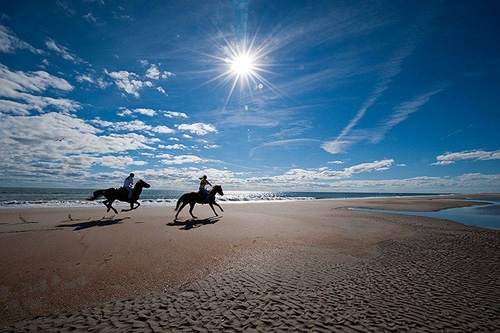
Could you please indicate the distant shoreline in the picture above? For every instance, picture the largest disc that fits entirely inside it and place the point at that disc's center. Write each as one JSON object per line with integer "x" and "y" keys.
{"x": 75, "y": 198}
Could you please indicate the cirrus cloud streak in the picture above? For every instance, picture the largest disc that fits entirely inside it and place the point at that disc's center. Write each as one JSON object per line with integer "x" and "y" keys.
{"x": 477, "y": 155}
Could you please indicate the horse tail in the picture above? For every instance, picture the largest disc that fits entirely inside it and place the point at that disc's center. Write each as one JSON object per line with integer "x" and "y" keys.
{"x": 181, "y": 199}
{"x": 96, "y": 195}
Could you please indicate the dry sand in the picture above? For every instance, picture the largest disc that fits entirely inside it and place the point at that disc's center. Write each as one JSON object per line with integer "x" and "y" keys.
{"x": 303, "y": 266}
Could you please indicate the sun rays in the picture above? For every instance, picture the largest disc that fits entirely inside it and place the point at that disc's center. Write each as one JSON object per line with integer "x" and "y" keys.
{"x": 242, "y": 66}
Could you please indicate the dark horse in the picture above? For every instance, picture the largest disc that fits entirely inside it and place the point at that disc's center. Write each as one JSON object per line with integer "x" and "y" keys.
{"x": 112, "y": 194}
{"x": 192, "y": 198}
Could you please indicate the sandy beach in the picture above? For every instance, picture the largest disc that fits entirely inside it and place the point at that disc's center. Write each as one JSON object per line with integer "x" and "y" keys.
{"x": 270, "y": 266}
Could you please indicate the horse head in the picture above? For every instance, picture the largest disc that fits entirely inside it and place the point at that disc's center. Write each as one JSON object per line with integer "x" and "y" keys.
{"x": 216, "y": 189}
{"x": 138, "y": 187}
{"x": 141, "y": 183}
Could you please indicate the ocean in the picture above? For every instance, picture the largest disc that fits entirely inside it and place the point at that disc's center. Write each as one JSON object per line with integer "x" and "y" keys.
{"x": 14, "y": 197}
{"x": 487, "y": 216}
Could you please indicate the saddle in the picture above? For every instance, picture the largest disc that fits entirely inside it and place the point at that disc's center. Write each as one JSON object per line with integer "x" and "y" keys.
{"x": 123, "y": 191}
{"x": 203, "y": 198}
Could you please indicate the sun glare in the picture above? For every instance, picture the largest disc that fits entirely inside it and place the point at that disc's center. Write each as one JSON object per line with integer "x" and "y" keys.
{"x": 242, "y": 65}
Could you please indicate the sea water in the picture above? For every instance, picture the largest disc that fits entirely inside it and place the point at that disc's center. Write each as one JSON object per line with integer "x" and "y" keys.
{"x": 14, "y": 197}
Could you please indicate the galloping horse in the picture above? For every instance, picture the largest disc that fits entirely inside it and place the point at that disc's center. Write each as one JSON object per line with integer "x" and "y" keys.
{"x": 112, "y": 194}
{"x": 192, "y": 198}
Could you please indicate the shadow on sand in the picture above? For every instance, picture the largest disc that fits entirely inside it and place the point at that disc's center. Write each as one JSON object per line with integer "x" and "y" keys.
{"x": 96, "y": 223}
{"x": 193, "y": 223}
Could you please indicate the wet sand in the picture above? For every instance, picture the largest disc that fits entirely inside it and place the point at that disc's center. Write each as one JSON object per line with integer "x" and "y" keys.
{"x": 306, "y": 266}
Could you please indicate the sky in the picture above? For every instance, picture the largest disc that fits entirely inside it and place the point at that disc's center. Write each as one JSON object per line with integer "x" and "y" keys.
{"x": 340, "y": 96}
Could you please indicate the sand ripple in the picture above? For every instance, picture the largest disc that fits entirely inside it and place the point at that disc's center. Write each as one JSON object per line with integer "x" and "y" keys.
{"x": 440, "y": 279}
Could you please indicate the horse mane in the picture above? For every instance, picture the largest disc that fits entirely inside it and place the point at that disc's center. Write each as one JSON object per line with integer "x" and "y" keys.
{"x": 215, "y": 189}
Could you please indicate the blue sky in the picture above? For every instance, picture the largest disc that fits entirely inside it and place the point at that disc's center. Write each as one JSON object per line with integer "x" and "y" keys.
{"x": 384, "y": 96}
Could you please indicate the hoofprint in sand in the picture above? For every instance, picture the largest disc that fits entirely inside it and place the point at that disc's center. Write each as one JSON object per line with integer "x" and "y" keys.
{"x": 301, "y": 266}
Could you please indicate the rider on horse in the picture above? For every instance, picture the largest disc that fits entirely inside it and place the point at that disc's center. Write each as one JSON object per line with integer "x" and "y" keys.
{"x": 128, "y": 185}
{"x": 202, "y": 191}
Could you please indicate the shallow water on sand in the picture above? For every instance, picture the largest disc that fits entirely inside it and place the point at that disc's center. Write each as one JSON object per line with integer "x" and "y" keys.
{"x": 485, "y": 216}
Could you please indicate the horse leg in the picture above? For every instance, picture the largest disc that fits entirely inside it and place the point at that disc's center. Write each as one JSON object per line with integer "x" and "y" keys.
{"x": 179, "y": 210}
{"x": 212, "y": 206}
{"x": 215, "y": 203}
{"x": 191, "y": 210}
{"x": 105, "y": 203}
{"x": 109, "y": 203}
{"x": 132, "y": 206}
{"x": 113, "y": 208}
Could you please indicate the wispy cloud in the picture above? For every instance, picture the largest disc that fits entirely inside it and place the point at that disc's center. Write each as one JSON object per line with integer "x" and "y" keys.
{"x": 388, "y": 72}
{"x": 132, "y": 126}
{"x": 119, "y": 162}
{"x": 197, "y": 128}
{"x": 401, "y": 113}
{"x": 174, "y": 114}
{"x": 239, "y": 119}
{"x": 62, "y": 51}
{"x": 360, "y": 168}
{"x": 179, "y": 159}
{"x": 177, "y": 146}
{"x": 455, "y": 133}
{"x": 478, "y": 155}
{"x": 145, "y": 111}
{"x": 67, "y": 9}
{"x": 126, "y": 112}
{"x": 9, "y": 42}
{"x": 92, "y": 79}
{"x": 90, "y": 17}
{"x": 123, "y": 126}
{"x": 161, "y": 90}
{"x": 284, "y": 144}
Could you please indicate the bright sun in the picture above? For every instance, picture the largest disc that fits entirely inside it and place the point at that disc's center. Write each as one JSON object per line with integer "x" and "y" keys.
{"x": 242, "y": 65}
